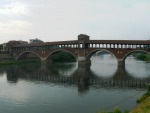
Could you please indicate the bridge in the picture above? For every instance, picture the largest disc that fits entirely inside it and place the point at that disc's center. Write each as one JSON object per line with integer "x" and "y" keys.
{"x": 83, "y": 48}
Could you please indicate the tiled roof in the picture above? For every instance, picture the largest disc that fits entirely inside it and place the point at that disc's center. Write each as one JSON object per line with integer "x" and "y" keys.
{"x": 47, "y": 43}
{"x": 90, "y": 41}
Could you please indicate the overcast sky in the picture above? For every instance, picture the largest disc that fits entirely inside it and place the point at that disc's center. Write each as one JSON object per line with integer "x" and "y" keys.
{"x": 58, "y": 20}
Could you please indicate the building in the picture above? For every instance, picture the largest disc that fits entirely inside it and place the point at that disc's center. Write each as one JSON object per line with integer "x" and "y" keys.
{"x": 36, "y": 40}
{"x": 14, "y": 43}
{"x": 3, "y": 47}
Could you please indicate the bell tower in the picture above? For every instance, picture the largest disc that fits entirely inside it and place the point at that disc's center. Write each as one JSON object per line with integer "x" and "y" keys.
{"x": 82, "y": 41}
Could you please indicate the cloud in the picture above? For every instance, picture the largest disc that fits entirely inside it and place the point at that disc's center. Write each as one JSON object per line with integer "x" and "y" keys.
{"x": 14, "y": 27}
{"x": 13, "y": 8}
{"x": 100, "y": 19}
{"x": 54, "y": 20}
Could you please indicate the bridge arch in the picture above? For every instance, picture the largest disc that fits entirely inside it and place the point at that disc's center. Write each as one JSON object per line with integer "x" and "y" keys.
{"x": 61, "y": 50}
{"x": 26, "y": 53}
{"x": 101, "y": 50}
{"x": 134, "y": 51}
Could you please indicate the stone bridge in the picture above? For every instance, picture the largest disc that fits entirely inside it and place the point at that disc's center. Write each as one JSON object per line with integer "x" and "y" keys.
{"x": 83, "y": 48}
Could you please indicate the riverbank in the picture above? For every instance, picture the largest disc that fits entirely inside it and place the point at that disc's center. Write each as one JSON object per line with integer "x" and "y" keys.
{"x": 144, "y": 107}
{"x": 11, "y": 62}
{"x": 144, "y": 101}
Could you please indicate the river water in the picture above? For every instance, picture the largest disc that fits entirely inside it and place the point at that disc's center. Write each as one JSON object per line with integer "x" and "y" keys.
{"x": 69, "y": 88}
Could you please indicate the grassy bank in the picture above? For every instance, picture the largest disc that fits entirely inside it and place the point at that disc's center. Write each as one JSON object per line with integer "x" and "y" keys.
{"x": 17, "y": 62}
{"x": 145, "y": 96}
{"x": 116, "y": 110}
{"x": 144, "y": 107}
{"x": 144, "y": 101}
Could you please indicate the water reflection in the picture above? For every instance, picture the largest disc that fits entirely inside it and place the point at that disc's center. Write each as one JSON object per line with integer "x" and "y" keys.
{"x": 62, "y": 69}
{"x": 137, "y": 69}
{"x": 71, "y": 74}
{"x": 104, "y": 66}
{"x": 99, "y": 73}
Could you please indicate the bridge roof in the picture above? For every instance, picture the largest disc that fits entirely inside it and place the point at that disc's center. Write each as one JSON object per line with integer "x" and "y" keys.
{"x": 47, "y": 43}
{"x": 88, "y": 42}
{"x": 119, "y": 41}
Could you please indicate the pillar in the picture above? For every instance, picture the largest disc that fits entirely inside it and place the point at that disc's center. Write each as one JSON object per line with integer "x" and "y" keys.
{"x": 82, "y": 61}
{"x": 83, "y": 78}
{"x": 121, "y": 62}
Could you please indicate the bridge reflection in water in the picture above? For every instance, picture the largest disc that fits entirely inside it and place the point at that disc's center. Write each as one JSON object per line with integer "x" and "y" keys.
{"x": 72, "y": 75}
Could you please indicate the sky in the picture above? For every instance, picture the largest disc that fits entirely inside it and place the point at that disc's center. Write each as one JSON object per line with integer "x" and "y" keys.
{"x": 61, "y": 20}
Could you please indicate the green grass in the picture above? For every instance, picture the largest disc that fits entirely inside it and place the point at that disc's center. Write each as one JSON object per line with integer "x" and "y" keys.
{"x": 116, "y": 110}
{"x": 144, "y": 101}
{"x": 145, "y": 96}
{"x": 142, "y": 98}
{"x": 17, "y": 62}
{"x": 144, "y": 107}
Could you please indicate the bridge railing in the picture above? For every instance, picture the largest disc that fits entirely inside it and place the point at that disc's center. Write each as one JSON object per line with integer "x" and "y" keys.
{"x": 120, "y": 46}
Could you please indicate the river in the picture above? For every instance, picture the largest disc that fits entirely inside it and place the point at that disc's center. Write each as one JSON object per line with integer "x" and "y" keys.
{"x": 69, "y": 88}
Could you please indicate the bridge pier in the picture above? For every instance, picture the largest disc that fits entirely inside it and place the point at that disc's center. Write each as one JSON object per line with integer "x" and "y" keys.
{"x": 83, "y": 62}
{"x": 121, "y": 62}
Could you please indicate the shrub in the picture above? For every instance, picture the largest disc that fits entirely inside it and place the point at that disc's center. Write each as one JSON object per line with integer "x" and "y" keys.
{"x": 117, "y": 110}
{"x": 149, "y": 87}
{"x": 141, "y": 99}
{"x": 126, "y": 111}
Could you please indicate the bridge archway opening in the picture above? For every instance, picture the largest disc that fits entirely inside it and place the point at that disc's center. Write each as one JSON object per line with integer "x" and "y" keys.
{"x": 140, "y": 55}
{"x": 136, "y": 63}
{"x": 29, "y": 55}
{"x": 61, "y": 56}
{"x": 101, "y": 53}
{"x": 103, "y": 63}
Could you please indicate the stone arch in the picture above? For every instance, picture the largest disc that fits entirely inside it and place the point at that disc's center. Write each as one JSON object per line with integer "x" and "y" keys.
{"x": 129, "y": 53}
{"x": 92, "y": 52}
{"x": 59, "y": 51}
{"x": 27, "y": 52}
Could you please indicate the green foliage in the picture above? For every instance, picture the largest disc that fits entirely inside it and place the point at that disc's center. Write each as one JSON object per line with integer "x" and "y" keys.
{"x": 144, "y": 107}
{"x": 148, "y": 87}
{"x": 145, "y": 96}
{"x": 143, "y": 57}
{"x": 126, "y": 111}
{"x": 63, "y": 56}
{"x": 117, "y": 110}
{"x": 18, "y": 62}
{"x": 104, "y": 112}
{"x": 1, "y": 47}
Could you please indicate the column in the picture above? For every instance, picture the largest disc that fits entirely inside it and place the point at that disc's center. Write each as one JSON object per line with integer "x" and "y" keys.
{"x": 121, "y": 62}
